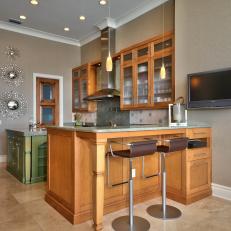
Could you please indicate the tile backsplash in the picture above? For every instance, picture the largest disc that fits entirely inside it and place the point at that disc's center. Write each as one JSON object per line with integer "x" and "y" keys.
{"x": 149, "y": 117}
{"x": 136, "y": 117}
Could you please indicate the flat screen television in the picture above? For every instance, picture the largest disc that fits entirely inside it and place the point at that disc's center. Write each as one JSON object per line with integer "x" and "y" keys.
{"x": 209, "y": 89}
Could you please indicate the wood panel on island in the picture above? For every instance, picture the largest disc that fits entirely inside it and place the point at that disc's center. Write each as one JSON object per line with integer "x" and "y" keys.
{"x": 77, "y": 191}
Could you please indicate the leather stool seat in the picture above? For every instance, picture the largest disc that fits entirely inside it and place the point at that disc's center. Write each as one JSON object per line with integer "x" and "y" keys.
{"x": 137, "y": 149}
{"x": 173, "y": 145}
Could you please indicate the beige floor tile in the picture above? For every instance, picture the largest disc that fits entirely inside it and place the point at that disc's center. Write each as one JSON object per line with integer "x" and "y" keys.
{"x": 22, "y": 207}
{"x": 15, "y": 225}
{"x": 29, "y": 195}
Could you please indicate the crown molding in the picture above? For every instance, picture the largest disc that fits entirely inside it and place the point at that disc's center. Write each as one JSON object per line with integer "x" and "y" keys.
{"x": 90, "y": 37}
{"x": 138, "y": 11}
{"x": 107, "y": 22}
{"x": 131, "y": 15}
{"x": 37, "y": 33}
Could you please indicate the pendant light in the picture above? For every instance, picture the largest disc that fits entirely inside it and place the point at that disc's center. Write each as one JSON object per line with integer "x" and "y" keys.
{"x": 163, "y": 70}
{"x": 109, "y": 58}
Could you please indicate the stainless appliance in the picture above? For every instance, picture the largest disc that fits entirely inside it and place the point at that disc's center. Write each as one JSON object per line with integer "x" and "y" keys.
{"x": 177, "y": 113}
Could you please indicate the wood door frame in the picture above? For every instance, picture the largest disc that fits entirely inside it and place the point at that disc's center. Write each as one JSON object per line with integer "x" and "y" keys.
{"x": 46, "y": 76}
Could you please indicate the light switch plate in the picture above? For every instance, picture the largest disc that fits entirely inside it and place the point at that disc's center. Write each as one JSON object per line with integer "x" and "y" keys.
{"x": 133, "y": 173}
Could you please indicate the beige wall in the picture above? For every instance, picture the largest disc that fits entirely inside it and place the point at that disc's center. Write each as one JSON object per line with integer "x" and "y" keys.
{"x": 203, "y": 43}
{"x": 145, "y": 26}
{"x": 39, "y": 56}
{"x": 138, "y": 30}
{"x": 91, "y": 51}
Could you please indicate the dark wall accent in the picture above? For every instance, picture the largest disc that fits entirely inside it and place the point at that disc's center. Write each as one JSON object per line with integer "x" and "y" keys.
{"x": 109, "y": 110}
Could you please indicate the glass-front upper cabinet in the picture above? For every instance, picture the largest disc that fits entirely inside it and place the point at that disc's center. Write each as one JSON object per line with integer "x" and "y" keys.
{"x": 127, "y": 79}
{"x": 163, "y": 86}
{"x": 142, "y": 81}
{"x": 142, "y": 86}
{"x": 81, "y": 87}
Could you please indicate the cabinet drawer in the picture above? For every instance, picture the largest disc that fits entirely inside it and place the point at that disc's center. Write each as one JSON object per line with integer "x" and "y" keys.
{"x": 196, "y": 133}
{"x": 197, "y": 154}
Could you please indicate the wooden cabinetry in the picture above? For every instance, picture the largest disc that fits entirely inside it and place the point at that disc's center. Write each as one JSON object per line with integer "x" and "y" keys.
{"x": 27, "y": 157}
{"x": 141, "y": 85}
{"x": 83, "y": 84}
{"x": 84, "y": 188}
{"x": 190, "y": 178}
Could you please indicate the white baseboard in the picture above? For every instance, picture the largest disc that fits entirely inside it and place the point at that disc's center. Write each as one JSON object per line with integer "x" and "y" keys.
{"x": 3, "y": 158}
{"x": 221, "y": 191}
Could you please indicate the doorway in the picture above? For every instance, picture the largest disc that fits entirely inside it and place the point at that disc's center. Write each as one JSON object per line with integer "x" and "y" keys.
{"x": 48, "y": 99}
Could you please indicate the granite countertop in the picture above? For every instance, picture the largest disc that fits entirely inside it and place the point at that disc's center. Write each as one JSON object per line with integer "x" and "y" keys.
{"x": 26, "y": 132}
{"x": 130, "y": 128}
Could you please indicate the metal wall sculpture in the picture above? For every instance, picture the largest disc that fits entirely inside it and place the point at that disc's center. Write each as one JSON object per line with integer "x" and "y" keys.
{"x": 12, "y": 75}
{"x": 12, "y": 105}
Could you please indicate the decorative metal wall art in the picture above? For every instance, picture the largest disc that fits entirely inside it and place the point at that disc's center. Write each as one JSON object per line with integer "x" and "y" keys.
{"x": 12, "y": 53}
{"x": 12, "y": 105}
{"x": 12, "y": 75}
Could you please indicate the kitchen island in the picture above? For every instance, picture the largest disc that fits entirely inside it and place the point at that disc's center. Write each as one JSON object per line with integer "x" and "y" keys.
{"x": 83, "y": 183}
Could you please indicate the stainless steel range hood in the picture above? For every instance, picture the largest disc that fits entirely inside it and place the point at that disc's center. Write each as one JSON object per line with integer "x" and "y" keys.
{"x": 106, "y": 89}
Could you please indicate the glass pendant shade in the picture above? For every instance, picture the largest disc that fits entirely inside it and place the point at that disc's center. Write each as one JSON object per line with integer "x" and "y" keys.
{"x": 163, "y": 72}
{"x": 109, "y": 63}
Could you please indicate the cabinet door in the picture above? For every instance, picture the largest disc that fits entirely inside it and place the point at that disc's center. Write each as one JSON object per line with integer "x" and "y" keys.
{"x": 163, "y": 88}
{"x": 142, "y": 83}
{"x": 83, "y": 93}
{"x": 75, "y": 96}
{"x": 174, "y": 170}
{"x": 19, "y": 157}
{"x": 127, "y": 86}
{"x": 198, "y": 175}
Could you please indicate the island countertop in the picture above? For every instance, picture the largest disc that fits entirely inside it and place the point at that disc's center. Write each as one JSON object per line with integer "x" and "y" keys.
{"x": 129, "y": 128}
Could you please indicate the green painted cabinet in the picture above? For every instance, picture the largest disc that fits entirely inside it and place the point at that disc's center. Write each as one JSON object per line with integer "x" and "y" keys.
{"x": 27, "y": 156}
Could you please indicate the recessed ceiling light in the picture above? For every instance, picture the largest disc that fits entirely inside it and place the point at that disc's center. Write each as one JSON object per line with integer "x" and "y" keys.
{"x": 34, "y": 2}
{"x": 22, "y": 17}
{"x": 82, "y": 18}
{"x": 66, "y": 28}
{"x": 103, "y": 2}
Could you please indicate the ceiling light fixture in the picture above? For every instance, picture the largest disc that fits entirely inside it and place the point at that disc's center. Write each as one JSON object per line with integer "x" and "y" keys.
{"x": 66, "y": 28}
{"x": 109, "y": 59}
{"x": 22, "y": 17}
{"x": 163, "y": 70}
{"x": 34, "y": 2}
{"x": 82, "y": 18}
{"x": 103, "y": 2}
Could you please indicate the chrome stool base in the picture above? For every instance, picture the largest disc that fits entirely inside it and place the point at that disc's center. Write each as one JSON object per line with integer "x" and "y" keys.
{"x": 122, "y": 224}
{"x": 157, "y": 212}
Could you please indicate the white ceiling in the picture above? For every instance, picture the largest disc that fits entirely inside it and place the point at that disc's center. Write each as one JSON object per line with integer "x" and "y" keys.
{"x": 48, "y": 19}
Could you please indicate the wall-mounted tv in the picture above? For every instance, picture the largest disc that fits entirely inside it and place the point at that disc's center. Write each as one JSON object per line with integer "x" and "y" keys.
{"x": 210, "y": 89}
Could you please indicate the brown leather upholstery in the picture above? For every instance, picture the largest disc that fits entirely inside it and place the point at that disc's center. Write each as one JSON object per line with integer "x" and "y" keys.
{"x": 175, "y": 144}
{"x": 141, "y": 148}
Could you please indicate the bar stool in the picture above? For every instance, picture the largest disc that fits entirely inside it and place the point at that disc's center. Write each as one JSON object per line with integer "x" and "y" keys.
{"x": 137, "y": 149}
{"x": 163, "y": 211}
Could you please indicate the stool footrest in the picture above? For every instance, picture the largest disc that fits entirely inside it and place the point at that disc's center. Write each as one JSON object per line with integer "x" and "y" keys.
{"x": 117, "y": 184}
{"x": 150, "y": 176}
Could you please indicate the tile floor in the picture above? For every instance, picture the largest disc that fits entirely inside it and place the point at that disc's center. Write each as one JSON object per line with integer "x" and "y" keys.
{"x": 22, "y": 208}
